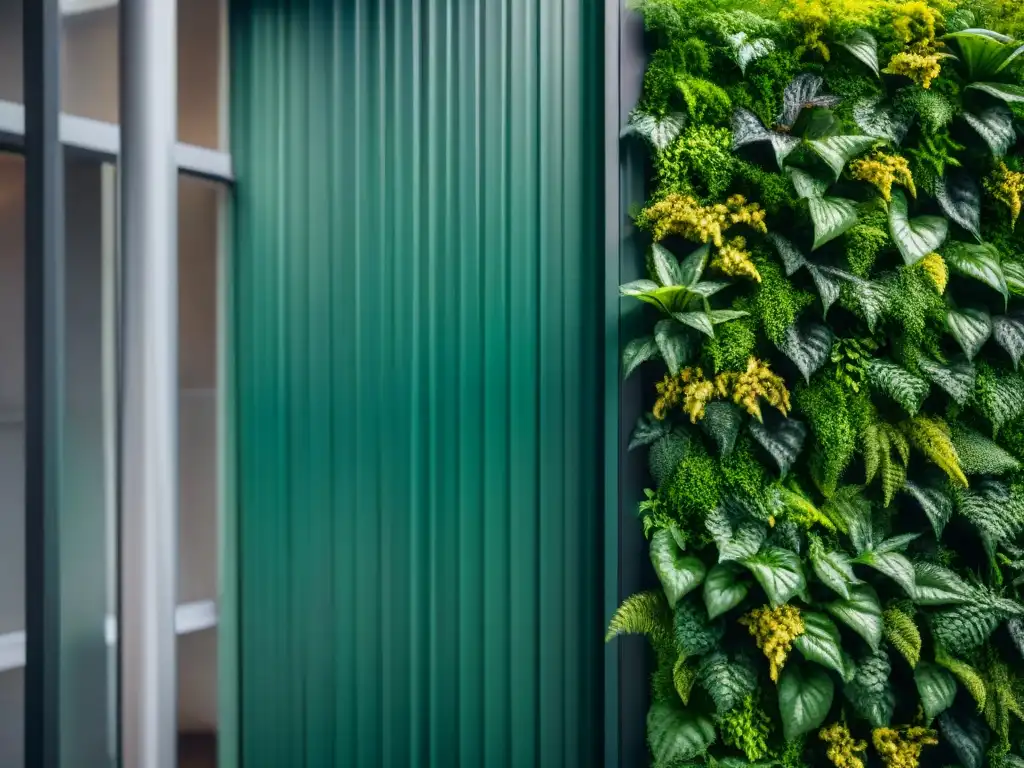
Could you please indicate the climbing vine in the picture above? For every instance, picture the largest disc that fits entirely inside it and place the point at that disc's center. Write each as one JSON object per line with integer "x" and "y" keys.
{"x": 835, "y": 282}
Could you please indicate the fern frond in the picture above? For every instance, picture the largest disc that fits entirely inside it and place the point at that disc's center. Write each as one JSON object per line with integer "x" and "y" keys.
{"x": 968, "y": 677}
{"x": 645, "y": 613}
{"x": 931, "y": 436}
{"x": 979, "y": 455}
{"x": 962, "y": 629}
{"x": 903, "y": 634}
{"x": 894, "y": 475}
{"x": 684, "y": 675}
{"x": 993, "y": 510}
{"x": 874, "y": 443}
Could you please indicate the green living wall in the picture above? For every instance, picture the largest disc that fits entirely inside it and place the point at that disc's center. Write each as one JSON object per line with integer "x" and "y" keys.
{"x": 835, "y": 444}
{"x": 418, "y": 373}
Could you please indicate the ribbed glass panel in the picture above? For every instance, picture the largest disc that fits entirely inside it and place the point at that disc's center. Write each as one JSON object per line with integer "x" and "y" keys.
{"x": 418, "y": 253}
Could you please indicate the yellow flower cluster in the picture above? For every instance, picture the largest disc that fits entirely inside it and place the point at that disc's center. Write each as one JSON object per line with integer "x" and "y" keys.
{"x": 922, "y": 68}
{"x": 882, "y": 171}
{"x": 747, "y": 387}
{"x": 733, "y": 259}
{"x": 683, "y": 215}
{"x": 1007, "y": 186}
{"x": 817, "y": 18}
{"x": 902, "y": 748}
{"x": 914, "y": 24}
{"x": 843, "y": 748}
{"x": 936, "y": 269}
{"x": 774, "y": 630}
{"x": 688, "y": 388}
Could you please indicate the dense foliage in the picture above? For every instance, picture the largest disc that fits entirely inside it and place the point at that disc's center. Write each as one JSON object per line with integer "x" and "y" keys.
{"x": 836, "y": 440}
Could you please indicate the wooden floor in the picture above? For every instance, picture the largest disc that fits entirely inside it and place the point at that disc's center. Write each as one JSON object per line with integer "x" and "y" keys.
{"x": 197, "y": 751}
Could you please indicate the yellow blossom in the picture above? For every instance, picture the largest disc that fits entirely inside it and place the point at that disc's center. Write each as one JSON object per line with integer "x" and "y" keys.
{"x": 774, "y": 630}
{"x": 733, "y": 259}
{"x": 747, "y": 387}
{"x": 882, "y": 171}
{"x": 843, "y": 748}
{"x": 670, "y": 392}
{"x": 901, "y": 748}
{"x": 914, "y": 24}
{"x": 936, "y": 269}
{"x": 683, "y": 215}
{"x": 689, "y": 388}
{"x": 922, "y": 68}
{"x": 1007, "y": 186}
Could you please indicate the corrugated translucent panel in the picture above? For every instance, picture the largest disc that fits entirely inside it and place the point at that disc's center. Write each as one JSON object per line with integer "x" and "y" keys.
{"x": 419, "y": 310}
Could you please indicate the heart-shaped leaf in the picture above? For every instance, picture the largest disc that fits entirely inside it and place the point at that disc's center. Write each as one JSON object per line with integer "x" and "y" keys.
{"x": 872, "y": 298}
{"x": 791, "y": 257}
{"x": 831, "y": 216}
{"x": 864, "y": 47}
{"x": 820, "y": 641}
{"x": 807, "y": 186}
{"x": 783, "y": 442}
{"x": 995, "y": 126}
{"x": 676, "y": 345}
{"x": 805, "y": 697}
{"x": 808, "y": 346}
{"x": 722, "y": 422}
{"x": 1008, "y": 331}
{"x": 779, "y": 573}
{"x": 834, "y": 570}
{"x": 959, "y": 196}
{"x": 837, "y": 151}
{"x": 936, "y": 585}
{"x": 956, "y": 379}
{"x": 747, "y": 129}
{"x": 679, "y": 573}
{"x": 637, "y": 352}
{"x": 676, "y": 734}
{"x": 648, "y": 430}
{"x": 936, "y": 687}
{"x": 861, "y": 613}
{"x": 828, "y": 282}
{"x": 894, "y": 565}
{"x": 906, "y": 388}
{"x": 659, "y": 131}
{"x": 880, "y": 120}
{"x": 724, "y": 589}
{"x": 971, "y": 329}
{"x": 915, "y": 238}
{"x": 745, "y": 50}
{"x": 803, "y": 92}
{"x": 980, "y": 261}
{"x": 736, "y": 538}
{"x": 1011, "y": 94}
{"x": 936, "y": 503}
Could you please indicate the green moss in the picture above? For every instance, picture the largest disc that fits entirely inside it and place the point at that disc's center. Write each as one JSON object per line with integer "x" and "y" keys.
{"x": 732, "y": 345}
{"x": 704, "y": 101}
{"x": 823, "y": 403}
{"x": 777, "y": 302}
{"x": 747, "y": 728}
{"x": 772, "y": 190}
{"x": 916, "y": 314}
{"x": 697, "y": 486}
{"x": 1011, "y": 437}
{"x": 660, "y": 81}
{"x": 932, "y": 110}
{"x": 761, "y": 90}
{"x": 700, "y": 162}
{"x": 743, "y": 475}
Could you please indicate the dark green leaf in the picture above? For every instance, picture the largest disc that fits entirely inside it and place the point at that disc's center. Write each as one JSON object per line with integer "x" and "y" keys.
{"x": 861, "y": 613}
{"x": 724, "y": 589}
{"x": 791, "y": 257}
{"x": 980, "y": 261}
{"x": 936, "y": 687}
{"x": 837, "y": 151}
{"x": 971, "y": 329}
{"x": 803, "y": 92}
{"x": 834, "y": 570}
{"x": 894, "y": 565}
{"x": 677, "y": 734}
{"x": 676, "y": 345}
{"x": 695, "y": 634}
{"x": 736, "y": 539}
{"x": 865, "y": 48}
{"x": 880, "y": 120}
{"x": 906, "y": 388}
{"x": 1011, "y": 94}
{"x": 779, "y": 573}
{"x": 806, "y": 186}
{"x": 968, "y": 737}
{"x": 665, "y": 266}
{"x": 1008, "y": 331}
{"x": 979, "y": 455}
{"x": 956, "y": 379}
{"x": 936, "y": 585}
{"x": 679, "y": 573}
{"x": 820, "y": 641}
{"x": 959, "y": 196}
{"x": 638, "y": 351}
{"x": 995, "y": 126}
{"x": 984, "y": 53}
{"x": 935, "y": 502}
{"x": 722, "y": 422}
{"x": 747, "y": 129}
{"x": 692, "y": 267}
{"x": 659, "y": 131}
{"x": 808, "y": 346}
{"x": 699, "y": 320}
{"x": 827, "y": 281}
{"x": 805, "y": 697}
{"x": 962, "y": 629}
{"x": 870, "y": 691}
{"x": 783, "y": 443}
{"x": 831, "y": 216}
{"x": 727, "y": 682}
{"x": 915, "y": 238}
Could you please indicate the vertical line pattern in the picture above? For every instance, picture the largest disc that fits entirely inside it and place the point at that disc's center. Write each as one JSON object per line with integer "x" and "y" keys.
{"x": 419, "y": 354}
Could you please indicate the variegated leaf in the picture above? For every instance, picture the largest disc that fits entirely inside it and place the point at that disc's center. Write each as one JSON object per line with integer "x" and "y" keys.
{"x": 880, "y": 120}
{"x": 691, "y": 269}
{"x": 861, "y": 612}
{"x": 638, "y": 351}
{"x": 735, "y": 539}
{"x": 1011, "y": 94}
{"x": 980, "y": 261}
{"x": 820, "y": 641}
{"x": 834, "y": 570}
{"x": 698, "y": 320}
{"x": 872, "y": 298}
{"x": 955, "y": 379}
{"x": 995, "y": 126}
{"x": 936, "y": 585}
{"x": 959, "y": 196}
{"x": 837, "y": 151}
{"x": 665, "y": 266}
{"x": 745, "y": 50}
{"x": 679, "y": 573}
{"x": 831, "y": 216}
{"x": 1002, "y": 399}
{"x": 747, "y": 129}
{"x": 1008, "y": 331}
{"x": 828, "y": 285}
{"x": 791, "y": 257}
{"x": 808, "y": 346}
{"x": 783, "y": 443}
{"x": 648, "y": 430}
{"x": 936, "y": 503}
{"x": 722, "y": 422}
{"x": 677, "y": 346}
{"x": 864, "y": 47}
{"x": 806, "y": 185}
{"x": 1013, "y": 271}
{"x": 906, "y": 388}
{"x": 915, "y": 238}
{"x": 779, "y": 573}
{"x": 894, "y": 565}
{"x": 971, "y": 329}
{"x": 659, "y": 131}
{"x": 989, "y": 506}
{"x": 803, "y": 91}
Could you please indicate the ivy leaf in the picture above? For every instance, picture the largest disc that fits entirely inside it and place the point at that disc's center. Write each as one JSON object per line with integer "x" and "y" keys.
{"x": 898, "y": 383}
{"x": 968, "y": 737}
{"x": 935, "y": 585}
{"x": 783, "y": 443}
{"x": 831, "y": 216}
{"x": 915, "y": 238}
{"x": 659, "y": 131}
{"x": 959, "y": 197}
{"x": 1011, "y": 94}
{"x": 806, "y": 186}
{"x": 676, "y": 734}
{"x": 956, "y": 379}
{"x": 779, "y": 573}
{"x": 979, "y": 455}
{"x": 648, "y": 430}
{"x": 820, "y": 641}
{"x": 995, "y": 126}
{"x": 935, "y": 502}
{"x": 980, "y": 261}
{"x": 861, "y": 613}
{"x": 791, "y": 257}
{"x": 808, "y": 346}
{"x": 805, "y": 697}
{"x": 865, "y": 48}
{"x": 726, "y": 681}
{"x": 677, "y": 347}
{"x": 870, "y": 691}
{"x": 971, "y": 329}
{"x": 826, "y": 280}
{"x": 637, "y": 352}
{"x": 880, "y": 121}
{"x": 837, "y": 151}
{"x": 936, "y": 687}
{"x": 1008, "y": 331}
{"x": 722, "y": 422}
{"x": 1013, "y": 271}
{"x": 834, "y": 570}
{"x": 724, "y": 589}
{"x": 679, "y": 573}
{"x": 736, "y": 539}
{"x": 894, "y": 565}
{"x": 803, "y": 92}
{"x": 745, "y": 50}
{"x": 747, "y": 129}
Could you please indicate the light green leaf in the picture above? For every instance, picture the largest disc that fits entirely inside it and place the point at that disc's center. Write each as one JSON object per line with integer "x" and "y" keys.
{"x": 745, "y": 50}
{"x": 677, "y": 347}
{"x": 894, "y": 565}
{"x": 936, "y": 504}
{"x": 971, "y": 329}
{"x": 1008, "y": 331}
{"x": 959, "y": 196}
{"x": 679, "y": 573}
{"x": 1013, "y": 271}
{"x": 984, "y": 53}
{"x": 1011, "y": 94}
{"x": 659, "y": 131}
{"x": 956, "y": 379}
{"x": 831, "y": 216}
{"x": 861, "y": 613}
{"x": 808, "y": 346}
{"x": 980, "y": 261}
{"x": 719, "y": 316}
{"x": 665, "y": 266}
{"x": 805, "y": 697}
{"x": 637, "y": 352}
{"x": 837, "y": 151}
{"x": 936, "y": 585}
{"x": 915, "y": 238}
{"x": 906, "y": 388}
{"x": 806, "y": 186}
{"x": 834, "y": 570}
{"x": 722, "y": 422}
{"x": 677, "y": 734}
{"x": 779, "y": 573}
{"x": 995, "y": 126}
{"x": 724, "y": 589}
{"x": 691, "y": 269}
{"x": 936, "y": 687}
{"x": 699, "y": 320}
{"x": 783, "y": 443}
{"x": 820, "y": 641}
{"x": 865, "y": 48}
{"x": 648, "y": 430}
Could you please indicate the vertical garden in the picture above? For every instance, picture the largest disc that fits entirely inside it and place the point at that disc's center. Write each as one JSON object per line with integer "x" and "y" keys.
{"x": 836, "y": 438}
